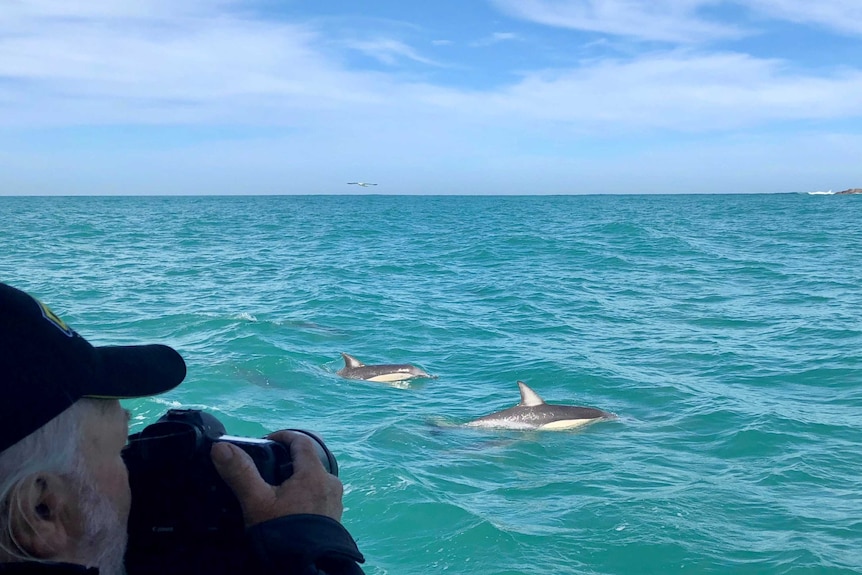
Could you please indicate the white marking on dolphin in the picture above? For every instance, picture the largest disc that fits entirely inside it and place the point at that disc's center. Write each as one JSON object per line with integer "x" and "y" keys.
{"x": 534, "y": 413}
{"x": 355, "y": 369}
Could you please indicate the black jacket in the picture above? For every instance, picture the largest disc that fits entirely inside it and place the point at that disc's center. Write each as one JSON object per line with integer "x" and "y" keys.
{"x": 290, "y": 545}
{"x": 304, "y": 545}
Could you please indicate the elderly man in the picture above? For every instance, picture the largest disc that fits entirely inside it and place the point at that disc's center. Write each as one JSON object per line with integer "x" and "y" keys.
{"x": 64, "y": 489}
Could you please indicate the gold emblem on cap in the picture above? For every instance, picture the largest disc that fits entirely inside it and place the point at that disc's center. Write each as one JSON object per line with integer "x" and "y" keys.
{"x": 55, "y": 319}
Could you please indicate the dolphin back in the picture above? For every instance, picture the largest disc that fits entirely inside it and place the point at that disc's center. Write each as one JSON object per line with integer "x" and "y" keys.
{"x": 355, "y": 369}
{"x": 533, "y": 413}
{"x": 545, "y": 416}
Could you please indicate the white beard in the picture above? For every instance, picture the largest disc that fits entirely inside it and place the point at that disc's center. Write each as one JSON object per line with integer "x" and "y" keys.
{"x": 103, "y": 543}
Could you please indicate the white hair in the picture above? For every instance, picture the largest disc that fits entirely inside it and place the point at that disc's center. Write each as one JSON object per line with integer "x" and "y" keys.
{"x": 57, "y": 447}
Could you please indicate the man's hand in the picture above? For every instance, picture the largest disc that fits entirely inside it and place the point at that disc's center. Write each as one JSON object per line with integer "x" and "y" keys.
{"x": 309, "y": 490}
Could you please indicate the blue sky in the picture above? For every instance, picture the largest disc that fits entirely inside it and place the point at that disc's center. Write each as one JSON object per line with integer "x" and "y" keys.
{"x": 449, "y": 96}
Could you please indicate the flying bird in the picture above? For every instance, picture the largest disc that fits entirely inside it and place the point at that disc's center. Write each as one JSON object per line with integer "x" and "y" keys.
{"x": 363, "y": 184}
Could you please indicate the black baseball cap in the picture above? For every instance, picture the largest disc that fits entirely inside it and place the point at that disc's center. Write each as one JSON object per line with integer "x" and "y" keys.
{"x": 45, "y": 367}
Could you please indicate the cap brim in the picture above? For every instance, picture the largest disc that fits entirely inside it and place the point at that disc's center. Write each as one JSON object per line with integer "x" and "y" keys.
{"x": 135, "y": 371}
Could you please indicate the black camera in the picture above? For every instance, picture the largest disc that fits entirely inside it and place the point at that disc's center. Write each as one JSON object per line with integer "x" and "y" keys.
{"x": 184, "y": 518}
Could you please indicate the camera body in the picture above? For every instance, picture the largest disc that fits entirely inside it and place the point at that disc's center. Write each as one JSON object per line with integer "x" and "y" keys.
{"x": 184, "y": 518}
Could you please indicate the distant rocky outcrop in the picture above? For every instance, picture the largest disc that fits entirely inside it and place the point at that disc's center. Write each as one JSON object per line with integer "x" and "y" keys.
{"x": 850, "y": 191}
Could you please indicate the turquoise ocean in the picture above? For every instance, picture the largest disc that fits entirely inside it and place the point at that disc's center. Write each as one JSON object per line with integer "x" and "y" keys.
{"x": 725, "y": 331}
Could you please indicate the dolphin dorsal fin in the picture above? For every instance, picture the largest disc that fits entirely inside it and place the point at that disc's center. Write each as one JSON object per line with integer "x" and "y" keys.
{"x": 350, "y": 361}
{"x": 529, "y": 398}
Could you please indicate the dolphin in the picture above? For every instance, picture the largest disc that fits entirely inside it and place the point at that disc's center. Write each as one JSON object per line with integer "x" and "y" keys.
{"x": 534, "y": 413}
{"x": 355, "y": 369}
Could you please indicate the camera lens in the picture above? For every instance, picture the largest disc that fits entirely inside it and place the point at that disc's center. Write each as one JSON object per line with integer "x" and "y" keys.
{"x": 326, "y": 457}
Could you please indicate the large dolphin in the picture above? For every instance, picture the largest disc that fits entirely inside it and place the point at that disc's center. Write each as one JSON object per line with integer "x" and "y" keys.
{"x": 534, "y": 413}
{"x": 355, "y": 369}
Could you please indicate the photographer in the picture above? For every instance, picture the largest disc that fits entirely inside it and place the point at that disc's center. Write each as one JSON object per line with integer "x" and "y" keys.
{"x": 64, "y": 487}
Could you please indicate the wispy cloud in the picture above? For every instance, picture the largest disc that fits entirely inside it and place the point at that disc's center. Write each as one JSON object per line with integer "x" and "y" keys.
{"x": 680, "y": 21}
{"x": 216, "y": 67}
{"x": 496, "y": 38}
{"x": 840, "y": 15}
{"x": 149, "y": 66}
{"x": 389, "y": 51}
{"x": 676, "y": 21}
{"x": 673, "y": 91}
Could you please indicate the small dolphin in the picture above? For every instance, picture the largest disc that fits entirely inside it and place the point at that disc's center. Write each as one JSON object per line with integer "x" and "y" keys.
{"x": 355, "y": 369}
{"x": 534, "y": 413}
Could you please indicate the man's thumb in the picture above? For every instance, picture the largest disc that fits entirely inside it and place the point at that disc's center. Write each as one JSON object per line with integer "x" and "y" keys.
{"x": 237, "y": 469}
